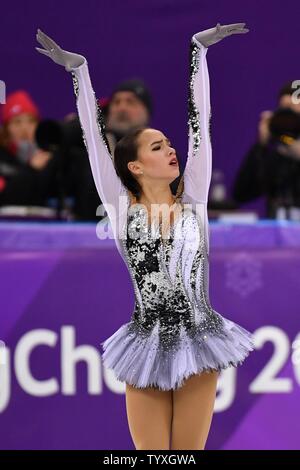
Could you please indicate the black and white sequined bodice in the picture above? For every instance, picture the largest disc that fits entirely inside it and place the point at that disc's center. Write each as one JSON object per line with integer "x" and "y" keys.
{"x": 169, "y": 276}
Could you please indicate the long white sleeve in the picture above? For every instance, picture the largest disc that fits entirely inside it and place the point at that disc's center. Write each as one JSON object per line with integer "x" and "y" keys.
{"x": 197, "y": 173}
{"x": 112, "y": 192}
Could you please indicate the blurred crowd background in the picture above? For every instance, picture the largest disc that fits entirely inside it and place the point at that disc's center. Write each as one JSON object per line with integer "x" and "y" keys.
{"x": 139, "y": 66}
{"x": 45, "y": 171}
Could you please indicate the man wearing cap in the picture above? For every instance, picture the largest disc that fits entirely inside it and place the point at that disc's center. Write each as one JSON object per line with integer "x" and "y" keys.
{"x": 128, "y": 106}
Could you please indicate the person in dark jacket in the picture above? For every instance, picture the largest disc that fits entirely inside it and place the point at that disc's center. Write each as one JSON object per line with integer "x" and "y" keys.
{"x": 271, "y": 167}
{"x": 27, "y": 172}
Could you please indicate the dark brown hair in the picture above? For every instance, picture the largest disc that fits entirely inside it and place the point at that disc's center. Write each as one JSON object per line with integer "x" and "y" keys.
{"x": 126, "y": 150}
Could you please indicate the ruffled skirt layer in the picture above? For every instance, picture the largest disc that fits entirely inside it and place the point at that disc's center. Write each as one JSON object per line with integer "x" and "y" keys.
{"x": 144, "y": 362}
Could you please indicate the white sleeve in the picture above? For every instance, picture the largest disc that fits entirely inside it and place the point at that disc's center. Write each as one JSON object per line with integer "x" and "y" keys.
{"x": 197, "y": 173}
{"x": 108, "y": 184}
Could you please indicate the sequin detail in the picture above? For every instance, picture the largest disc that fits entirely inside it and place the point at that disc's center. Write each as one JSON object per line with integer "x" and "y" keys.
{"x": 209, "y": 125}
{"x": 99, "y": 116}
{"x": 76, "y": 92}
{"x": 168, "y": 296}
{"x": 75, "y": 84}
{"x": 193, "y": 113}
{"x": 101, "y": 125}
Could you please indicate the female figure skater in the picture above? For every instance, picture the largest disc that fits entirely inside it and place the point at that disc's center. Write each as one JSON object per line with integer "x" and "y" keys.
{"x": 173, "y": 348}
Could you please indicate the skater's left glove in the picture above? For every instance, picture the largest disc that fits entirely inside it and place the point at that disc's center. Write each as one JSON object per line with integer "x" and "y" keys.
{"x": 216, "y": 34}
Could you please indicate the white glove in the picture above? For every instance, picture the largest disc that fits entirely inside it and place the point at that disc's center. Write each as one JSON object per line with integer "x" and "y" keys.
{"x": 68, "y": 59}
{"x": 216, "y": 34}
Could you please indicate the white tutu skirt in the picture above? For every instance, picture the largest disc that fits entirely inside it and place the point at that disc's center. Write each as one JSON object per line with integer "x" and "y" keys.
{"x": 144, "y": 362}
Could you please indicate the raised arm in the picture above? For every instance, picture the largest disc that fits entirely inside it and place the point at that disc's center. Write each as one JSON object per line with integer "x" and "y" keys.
{"x": 108, "y": 184}
{"x": 197, "y": 173}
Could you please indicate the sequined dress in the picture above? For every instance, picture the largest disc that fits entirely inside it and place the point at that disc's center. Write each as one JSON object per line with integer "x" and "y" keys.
{"x": 173, "y": 331}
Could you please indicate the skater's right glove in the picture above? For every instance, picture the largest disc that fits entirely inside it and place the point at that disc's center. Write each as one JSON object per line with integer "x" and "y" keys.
{"x": 68, "y": 59}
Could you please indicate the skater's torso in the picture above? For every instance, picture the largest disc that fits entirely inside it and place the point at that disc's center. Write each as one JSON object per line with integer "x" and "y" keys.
{"x": 168, "y": 266}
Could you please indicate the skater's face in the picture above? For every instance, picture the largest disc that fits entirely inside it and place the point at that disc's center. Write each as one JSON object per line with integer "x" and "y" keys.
{"x": 126, "y": 111}
{"x": 156, "y": 157}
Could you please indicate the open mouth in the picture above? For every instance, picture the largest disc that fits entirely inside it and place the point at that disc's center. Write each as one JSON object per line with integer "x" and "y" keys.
{"x": 174, "y": 162}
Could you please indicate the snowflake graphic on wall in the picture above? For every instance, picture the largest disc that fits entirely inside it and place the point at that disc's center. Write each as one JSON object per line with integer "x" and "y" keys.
{"x": 243, "y": 274}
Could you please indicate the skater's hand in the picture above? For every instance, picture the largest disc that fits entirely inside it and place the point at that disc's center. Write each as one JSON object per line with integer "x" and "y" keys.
{"x": 58, "y": 55}
{"x": 216, "y": 34}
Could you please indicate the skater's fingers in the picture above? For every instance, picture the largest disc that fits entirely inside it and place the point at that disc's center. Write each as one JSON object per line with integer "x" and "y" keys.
{"x": 41, "y": 36}
{"x": 233, "y": 25}
{"x": 43, "y": 51}
{"x": 42, "y": 41}
{"x": 50, "y": 43}
{"x": 229, "y": 31}
{"x": 238, "y": 31}
{"x": 47, "y": 40}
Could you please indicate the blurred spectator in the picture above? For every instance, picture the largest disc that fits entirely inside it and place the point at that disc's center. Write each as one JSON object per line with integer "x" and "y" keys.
{"x": 271, "y": 167}
{"x": 27, "y": 172}
{"x": 130, "y": 106}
